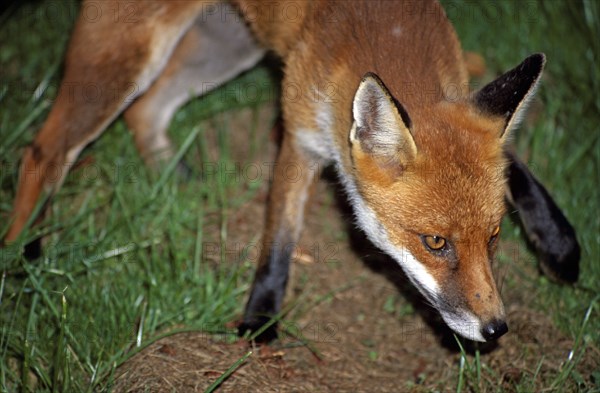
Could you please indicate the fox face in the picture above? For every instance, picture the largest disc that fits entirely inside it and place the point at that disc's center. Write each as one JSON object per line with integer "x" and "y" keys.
{"x": 426, "y": 184}
{"x": 428, "y": 188}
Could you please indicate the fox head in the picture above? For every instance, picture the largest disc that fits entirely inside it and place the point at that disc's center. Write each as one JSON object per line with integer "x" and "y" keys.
{"x": 429, "y": 190}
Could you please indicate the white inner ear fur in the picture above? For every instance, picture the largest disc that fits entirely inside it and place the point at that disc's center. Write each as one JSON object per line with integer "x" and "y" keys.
{"x": 519, "y": 113}
{"x": 374, "y": 108}
{"x": 385, "y": 116}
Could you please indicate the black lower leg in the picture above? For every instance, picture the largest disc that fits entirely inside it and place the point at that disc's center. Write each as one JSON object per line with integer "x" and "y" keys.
{"x": 267, "y": 293}
{"x": 546, "y": 227}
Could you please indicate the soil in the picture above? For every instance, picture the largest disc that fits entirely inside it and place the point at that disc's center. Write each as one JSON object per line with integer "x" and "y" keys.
{"x": 357, "y": 325}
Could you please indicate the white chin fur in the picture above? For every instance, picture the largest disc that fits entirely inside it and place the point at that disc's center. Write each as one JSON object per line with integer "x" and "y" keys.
{"x": 464, "y": 324}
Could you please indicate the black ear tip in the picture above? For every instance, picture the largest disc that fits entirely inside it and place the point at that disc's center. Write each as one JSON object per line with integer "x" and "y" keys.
{"x": 540, "y": 56}
{"x": 535, "y": 62}
{"x": 371, "y": 76}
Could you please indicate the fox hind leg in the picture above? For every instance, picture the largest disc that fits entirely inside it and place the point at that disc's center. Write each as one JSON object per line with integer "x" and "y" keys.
{"x": 213, "y": 51}
{"x": 109, "y": 62}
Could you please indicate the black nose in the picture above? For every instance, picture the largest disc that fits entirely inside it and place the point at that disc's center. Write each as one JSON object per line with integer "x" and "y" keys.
{"x": 494, "y": 329}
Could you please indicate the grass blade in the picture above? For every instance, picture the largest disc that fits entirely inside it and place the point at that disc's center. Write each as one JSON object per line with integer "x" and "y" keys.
{"x": 227, "y": 373}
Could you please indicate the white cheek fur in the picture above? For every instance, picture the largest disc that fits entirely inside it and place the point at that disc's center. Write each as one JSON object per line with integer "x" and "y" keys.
{"x": 321, "y": 145}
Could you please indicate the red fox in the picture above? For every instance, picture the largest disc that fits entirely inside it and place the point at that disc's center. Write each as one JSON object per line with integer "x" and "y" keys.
{"x": 425, "y": 171}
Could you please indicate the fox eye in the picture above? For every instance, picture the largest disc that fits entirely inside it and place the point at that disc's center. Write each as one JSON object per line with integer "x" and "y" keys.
{"x": 433, "y": 243}
{"x": 495, "y": 233}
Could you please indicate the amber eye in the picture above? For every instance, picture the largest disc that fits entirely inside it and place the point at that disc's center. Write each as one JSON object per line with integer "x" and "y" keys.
{"x": 496, "y": 231}
{"x": 494, "y": 234}
{"x": 434, "y": 243}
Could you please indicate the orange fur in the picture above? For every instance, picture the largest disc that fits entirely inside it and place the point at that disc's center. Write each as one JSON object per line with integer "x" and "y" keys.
{"x": 454, "y": 141}
{"x": 429, "y": 164}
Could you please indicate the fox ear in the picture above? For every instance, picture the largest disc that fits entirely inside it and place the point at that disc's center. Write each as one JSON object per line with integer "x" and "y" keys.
{"x": 509, "y": 95}
{"x": 381, "y": 126}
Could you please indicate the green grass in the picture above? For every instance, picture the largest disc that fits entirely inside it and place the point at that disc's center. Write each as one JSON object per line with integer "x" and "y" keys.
{"x": 561, "y": 146}
{"x": 126, "y": 255}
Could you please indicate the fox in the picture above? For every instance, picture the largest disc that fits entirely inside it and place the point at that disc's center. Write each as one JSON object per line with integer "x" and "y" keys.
{"x": 425, "y": 162}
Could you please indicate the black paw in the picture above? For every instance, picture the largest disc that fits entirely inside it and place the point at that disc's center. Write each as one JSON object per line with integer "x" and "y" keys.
{"x": 556, "y": 245}
{"x": 252, "y": 326}
{"x": 33, "y": 250}
{"x": 547, "y": 228}
{"x": 564, "y": 265}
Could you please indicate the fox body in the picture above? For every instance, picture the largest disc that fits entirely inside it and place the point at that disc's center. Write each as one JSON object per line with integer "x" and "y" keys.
{"x": 383, "y": 97}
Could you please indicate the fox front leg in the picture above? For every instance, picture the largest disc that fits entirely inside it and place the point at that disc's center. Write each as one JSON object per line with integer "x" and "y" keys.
{"x": 293, "y": 176}
{"x": 546, "y": 227}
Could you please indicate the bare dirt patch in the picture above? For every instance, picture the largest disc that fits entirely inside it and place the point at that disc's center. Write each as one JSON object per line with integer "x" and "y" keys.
{"x": 367, "y": 330}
